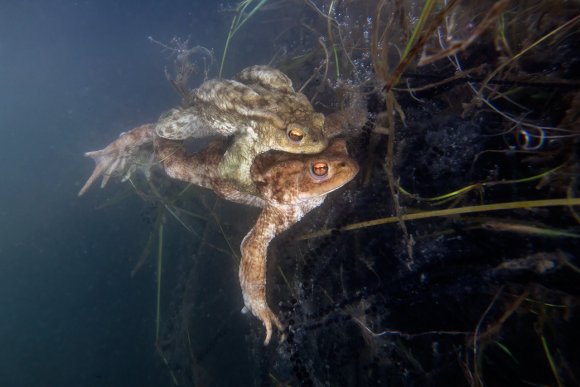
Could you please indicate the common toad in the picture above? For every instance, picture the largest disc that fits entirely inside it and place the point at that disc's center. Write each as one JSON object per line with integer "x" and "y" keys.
{"x": 288, "y": 186}
{"x": 260, "y": 109}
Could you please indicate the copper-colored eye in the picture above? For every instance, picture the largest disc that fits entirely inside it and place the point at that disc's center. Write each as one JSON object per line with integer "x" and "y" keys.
{"x": 320, "y": 169}
{"x": 295, "y": 134}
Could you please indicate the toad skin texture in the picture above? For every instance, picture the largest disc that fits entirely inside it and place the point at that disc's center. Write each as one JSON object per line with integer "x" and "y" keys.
{"x": 260, "y": 109}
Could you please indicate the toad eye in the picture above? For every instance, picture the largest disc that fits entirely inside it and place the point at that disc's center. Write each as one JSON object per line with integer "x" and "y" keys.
{"x": 319, "y": 169}
{"x": 295, "y": 135}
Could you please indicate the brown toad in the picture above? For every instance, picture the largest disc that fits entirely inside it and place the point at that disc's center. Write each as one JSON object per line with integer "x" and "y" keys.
{"x": 288, "y": 186}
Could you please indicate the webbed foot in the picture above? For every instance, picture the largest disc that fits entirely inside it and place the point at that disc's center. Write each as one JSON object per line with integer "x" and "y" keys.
{"x": 268, "y": 318}
{"x": 119, "y": 156}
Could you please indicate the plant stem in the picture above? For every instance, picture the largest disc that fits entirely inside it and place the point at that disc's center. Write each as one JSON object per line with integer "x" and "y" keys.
{"x": 159, "y": 268}
{"x": 449, "y": 212}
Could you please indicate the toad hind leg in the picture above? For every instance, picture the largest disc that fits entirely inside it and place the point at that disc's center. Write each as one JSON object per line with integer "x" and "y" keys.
{"x": 253, "y": 266}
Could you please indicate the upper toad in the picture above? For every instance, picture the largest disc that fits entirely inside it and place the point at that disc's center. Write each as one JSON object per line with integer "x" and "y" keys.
{"x": 260, "y": 109}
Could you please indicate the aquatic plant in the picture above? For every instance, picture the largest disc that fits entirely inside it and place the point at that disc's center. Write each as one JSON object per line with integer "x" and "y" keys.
{"x": 243, "y": 12}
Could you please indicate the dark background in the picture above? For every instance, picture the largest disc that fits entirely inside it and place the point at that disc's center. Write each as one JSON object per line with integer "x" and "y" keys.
{"x": 73, "y": 75}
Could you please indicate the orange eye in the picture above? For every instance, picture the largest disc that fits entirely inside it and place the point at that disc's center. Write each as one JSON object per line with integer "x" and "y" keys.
{"x": 295, "y": 134}
{"x": 320, "y": 169}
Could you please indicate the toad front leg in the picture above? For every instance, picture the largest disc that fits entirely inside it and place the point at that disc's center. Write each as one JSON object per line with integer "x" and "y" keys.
{"x": 237, "y": 160}
{"x": 120, "y": 157}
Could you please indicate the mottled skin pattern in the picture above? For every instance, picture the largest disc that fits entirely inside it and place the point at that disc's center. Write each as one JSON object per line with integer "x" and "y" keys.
{"x": 260, "y": 109}
{"x": 287, "y": 189}
{"x": 284, "y": 185}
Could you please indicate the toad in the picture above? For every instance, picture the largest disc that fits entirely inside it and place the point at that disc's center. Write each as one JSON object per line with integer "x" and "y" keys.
{"x": 287, "y": 187}
{"x": 260, "y": 109}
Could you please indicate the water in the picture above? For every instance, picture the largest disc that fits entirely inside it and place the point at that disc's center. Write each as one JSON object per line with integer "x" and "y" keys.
{"x": 75, "y": 74}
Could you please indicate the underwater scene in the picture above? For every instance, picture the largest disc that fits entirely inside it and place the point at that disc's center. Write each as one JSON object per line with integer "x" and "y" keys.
{"x": 290, "y": 193}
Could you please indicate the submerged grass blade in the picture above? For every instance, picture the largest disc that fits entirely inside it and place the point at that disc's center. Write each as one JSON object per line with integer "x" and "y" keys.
{"x": 478, "y": 185}
{"x": 506, "y": 351}
{"x": 159, "y": 267}
{"x": 567, "y": 24}
{"x": 529, "y": 229}
{"x": 146, "y": 250}
{"x": 173, "y": 377}
{"x": 425, "y": 12}
{"x": 419, "y": 43}
{"x": 237, "y": 22}
{"x": 249, "y": 15}
{"x": 553, "y": 366}
{"x": 285, "y": 279}
{"x": 449, "y": 212}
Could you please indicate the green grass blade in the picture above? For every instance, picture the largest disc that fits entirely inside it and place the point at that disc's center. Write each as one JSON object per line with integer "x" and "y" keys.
{"x": 425, "y": 12}
{"x": 449, "y": 212}
{"x": 159, "y": 267}
{"x": 237, "y": 22}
